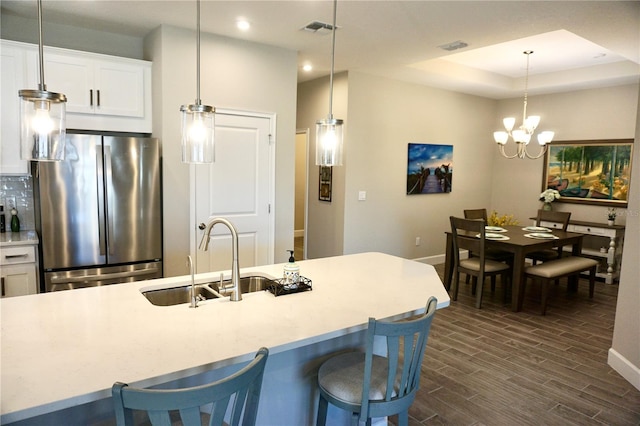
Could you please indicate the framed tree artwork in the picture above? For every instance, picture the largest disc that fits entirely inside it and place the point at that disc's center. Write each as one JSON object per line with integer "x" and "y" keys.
{"x": 592, "y": 172}
{"x": 324, "y": 190}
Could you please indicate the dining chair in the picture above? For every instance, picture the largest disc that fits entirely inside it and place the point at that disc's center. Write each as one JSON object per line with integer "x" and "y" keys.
{"x": 478, "y": 266}
{"x": 164, "y": 406}
{"x": 370, "y": 385}
{"x": 476, "y": 214}
{"x": 559, "y": 220}
{"x": 490, "y": 253}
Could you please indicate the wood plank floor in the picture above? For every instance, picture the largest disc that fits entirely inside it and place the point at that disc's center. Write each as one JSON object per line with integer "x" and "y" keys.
{"x": 496, "y": 367}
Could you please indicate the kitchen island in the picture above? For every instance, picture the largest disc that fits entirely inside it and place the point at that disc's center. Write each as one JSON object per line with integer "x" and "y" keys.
{"x": 62, "y": 351}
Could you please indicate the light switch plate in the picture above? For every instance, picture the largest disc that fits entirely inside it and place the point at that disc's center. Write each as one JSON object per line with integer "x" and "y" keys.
{"x": 362, "y": 195}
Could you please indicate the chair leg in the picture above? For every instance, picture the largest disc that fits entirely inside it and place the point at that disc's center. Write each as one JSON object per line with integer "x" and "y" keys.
{"x": 493, "y": 283}
{"x": 479, "y": 292}
{"x": 403, "y": 418}
{"x": 543, "y": 301}
{"x": 454, "y": 286}
{"x": 323, "y": 404}
{"x": 592, "y": 281}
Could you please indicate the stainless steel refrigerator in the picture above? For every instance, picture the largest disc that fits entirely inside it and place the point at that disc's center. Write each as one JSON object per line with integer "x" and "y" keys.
{"x": 98, "y": 212}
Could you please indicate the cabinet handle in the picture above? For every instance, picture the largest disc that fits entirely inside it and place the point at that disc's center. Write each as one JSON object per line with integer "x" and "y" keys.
{"x": 90, "y": 97}
{"x": 2, "y": 286}
{"x": 98, "y": 92}
{"x": 13, "y": 256}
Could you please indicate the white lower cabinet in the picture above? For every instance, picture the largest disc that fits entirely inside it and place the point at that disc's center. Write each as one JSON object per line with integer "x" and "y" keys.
{"x": 18, "y": 270}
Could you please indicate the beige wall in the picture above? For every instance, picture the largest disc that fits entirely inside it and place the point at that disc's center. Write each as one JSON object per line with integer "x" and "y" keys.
{"x": 383, "y": 117}
{"x": 325, "y": 221}
{"x": 229, "y": 80}
{"x": 26, "y": 30}
{"x": 624, "y": 355}
{"x": 301, "y": 182}
{"x": 607, "y": 113}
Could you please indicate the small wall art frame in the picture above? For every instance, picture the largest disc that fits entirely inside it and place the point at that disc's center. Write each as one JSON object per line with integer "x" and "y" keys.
{"x": 591, "y": 172}
{"x": 324, "y": 188}
{"x": 429, "y": 168}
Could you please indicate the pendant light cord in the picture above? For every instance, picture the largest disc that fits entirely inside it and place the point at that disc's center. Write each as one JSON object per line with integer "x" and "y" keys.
{"x": 198, "y": 102}
{"x": 333, "y": 54}
{"x": 42, "y": 86}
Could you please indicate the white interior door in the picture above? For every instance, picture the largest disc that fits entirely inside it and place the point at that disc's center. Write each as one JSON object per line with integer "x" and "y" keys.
{"x": 238, "y": 186}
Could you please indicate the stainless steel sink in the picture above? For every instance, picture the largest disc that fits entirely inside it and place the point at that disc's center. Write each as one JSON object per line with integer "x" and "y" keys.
{"x": 178, "y": 295}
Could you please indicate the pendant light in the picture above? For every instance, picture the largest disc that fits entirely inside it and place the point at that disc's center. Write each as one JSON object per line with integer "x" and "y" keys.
{"x": 198, "y": 121}
{"x": 522, "y": 135}
{"x": 42, "y": 116}
{"x": 330, "y": 132}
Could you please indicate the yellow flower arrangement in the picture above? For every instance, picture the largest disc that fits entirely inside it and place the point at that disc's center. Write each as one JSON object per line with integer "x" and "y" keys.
{"x": 505, "y": 219}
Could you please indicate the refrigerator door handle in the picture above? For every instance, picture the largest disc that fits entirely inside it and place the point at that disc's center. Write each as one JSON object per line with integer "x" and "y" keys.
{"x": 109, "y": 186}
{"x": 101, "y": 277}
{"x": 102, "y": 241}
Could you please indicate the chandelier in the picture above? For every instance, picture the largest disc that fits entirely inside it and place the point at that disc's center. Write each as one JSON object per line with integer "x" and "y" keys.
{"x": 522, "y": 135}
{"x": 329, "y": 132}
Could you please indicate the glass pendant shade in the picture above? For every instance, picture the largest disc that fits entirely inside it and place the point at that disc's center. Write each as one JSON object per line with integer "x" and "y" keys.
{"x": 198, "y": 133}
{"x": 42, "y": 124}
{"x": 42, "y": 116}
{"x": 329, "y": 141}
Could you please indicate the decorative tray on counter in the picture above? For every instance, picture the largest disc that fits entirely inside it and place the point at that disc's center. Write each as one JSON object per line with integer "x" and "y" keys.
{"x": 280, "y": 288}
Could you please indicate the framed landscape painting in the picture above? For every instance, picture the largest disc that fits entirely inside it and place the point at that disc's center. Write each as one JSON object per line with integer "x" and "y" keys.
{"x": 429, "y": 168}
{"x": 593, "y": 172}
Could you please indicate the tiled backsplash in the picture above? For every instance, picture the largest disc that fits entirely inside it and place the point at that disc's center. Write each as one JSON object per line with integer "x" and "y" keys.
{"x": 18, "y": 190}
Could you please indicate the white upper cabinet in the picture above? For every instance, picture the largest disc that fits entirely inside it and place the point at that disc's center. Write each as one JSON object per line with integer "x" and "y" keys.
{"x": 13, "y": 76}
{"x": 104, "y": 93}
{"x": 101, "y": 87}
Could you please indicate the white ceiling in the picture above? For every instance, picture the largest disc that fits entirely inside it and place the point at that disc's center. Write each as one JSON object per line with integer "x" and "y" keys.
{"x": 576, "y": 44}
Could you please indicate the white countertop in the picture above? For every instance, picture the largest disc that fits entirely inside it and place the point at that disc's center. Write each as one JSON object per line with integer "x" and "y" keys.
{"x": 18, "y": 238}
{"x": 66, "y": 348}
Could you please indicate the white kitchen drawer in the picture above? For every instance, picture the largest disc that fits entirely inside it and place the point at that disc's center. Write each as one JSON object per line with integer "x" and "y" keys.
{"x": 17, "y": 254}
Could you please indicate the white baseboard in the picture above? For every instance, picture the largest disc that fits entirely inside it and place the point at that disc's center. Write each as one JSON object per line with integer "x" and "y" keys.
{"x": 439, "y": 258}
{"x": 298, "y": 233}
{"x": 624, "y": 367}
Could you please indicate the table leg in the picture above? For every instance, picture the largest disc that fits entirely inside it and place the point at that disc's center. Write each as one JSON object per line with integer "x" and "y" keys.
{"x": 517, "y": 282}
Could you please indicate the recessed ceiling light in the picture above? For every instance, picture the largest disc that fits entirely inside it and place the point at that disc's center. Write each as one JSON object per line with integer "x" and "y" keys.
{"x": 243, "y": 24}
{"x": 307, "y": 67}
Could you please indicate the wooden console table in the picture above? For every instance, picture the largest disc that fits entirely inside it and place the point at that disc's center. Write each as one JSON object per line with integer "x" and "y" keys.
{"x": 603, "y": 236}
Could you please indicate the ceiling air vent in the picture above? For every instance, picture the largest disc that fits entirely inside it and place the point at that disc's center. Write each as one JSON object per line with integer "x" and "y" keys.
{"x": 317, "y": 26}
{"x": 453, "y": 45}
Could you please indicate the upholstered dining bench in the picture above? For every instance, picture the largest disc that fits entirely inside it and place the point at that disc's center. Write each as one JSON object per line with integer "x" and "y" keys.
{"x": 564, "y": 267}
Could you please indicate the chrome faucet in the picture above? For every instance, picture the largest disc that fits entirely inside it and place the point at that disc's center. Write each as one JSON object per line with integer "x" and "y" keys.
{"x": 236, "y": 295}
{"x": 193, "y": 298}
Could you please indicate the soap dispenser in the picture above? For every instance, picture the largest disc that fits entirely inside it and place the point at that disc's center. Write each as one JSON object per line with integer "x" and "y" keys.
{"x": 291, "y": 271}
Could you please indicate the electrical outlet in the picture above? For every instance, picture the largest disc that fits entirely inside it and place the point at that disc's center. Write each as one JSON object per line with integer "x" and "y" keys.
{"x": 10, "y": 203}
{"x": 417, "y": 241}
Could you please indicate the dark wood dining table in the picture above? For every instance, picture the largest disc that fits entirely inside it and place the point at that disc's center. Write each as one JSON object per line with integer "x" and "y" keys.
{"x": 520, "y": 246}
